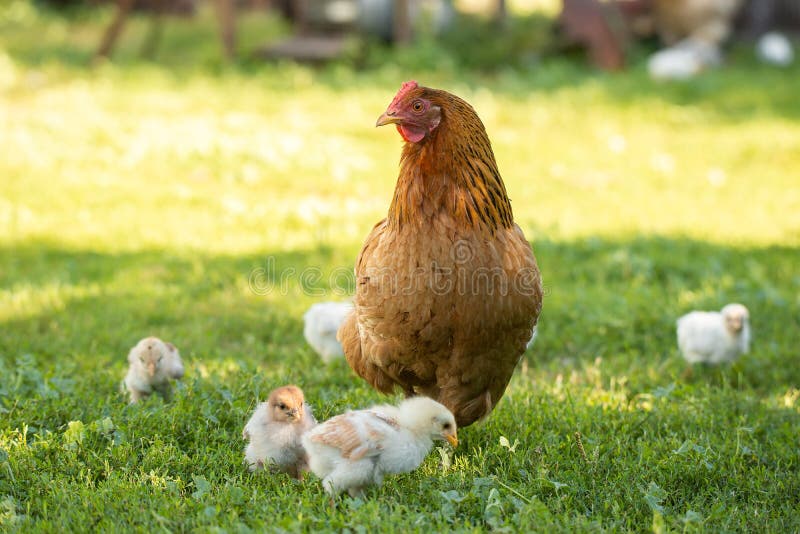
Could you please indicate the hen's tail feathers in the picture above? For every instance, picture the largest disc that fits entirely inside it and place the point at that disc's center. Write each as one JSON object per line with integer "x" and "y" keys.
{"x": 350, "y": 339}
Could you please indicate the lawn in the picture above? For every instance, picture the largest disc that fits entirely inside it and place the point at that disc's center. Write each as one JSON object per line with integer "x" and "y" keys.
{"x": 211, "y": 204}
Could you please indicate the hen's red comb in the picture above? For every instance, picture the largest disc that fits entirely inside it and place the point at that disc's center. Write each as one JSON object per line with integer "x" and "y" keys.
{"x": 406, "y": 88}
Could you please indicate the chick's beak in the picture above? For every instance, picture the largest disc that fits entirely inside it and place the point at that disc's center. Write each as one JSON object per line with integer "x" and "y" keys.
{"x": 292, "y": 414}
{"x": 151, "y": 369}
{"x": 452, "y": 439}
{"x": 388, "y": 117}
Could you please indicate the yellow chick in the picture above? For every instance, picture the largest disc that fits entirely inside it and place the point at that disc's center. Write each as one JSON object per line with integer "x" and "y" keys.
{"x": 274, "y": 432}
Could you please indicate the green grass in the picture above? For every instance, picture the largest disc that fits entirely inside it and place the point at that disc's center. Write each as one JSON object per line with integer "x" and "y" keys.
{"x": 144, "y": 198}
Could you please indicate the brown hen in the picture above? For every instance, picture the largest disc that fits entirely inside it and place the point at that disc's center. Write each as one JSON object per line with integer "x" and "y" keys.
{"x": 448, "y": 291}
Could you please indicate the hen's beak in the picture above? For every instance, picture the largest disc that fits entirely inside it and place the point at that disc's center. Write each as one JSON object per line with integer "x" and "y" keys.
{"x": 452, "y": 439}
{"x": 388, "y": 117}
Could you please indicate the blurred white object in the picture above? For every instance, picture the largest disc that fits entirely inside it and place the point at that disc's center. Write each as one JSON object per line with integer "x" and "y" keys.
{"x": 341, "y": 11}
{"x": 686, "y": 59}
{"x": 774, "y": 48}
{"x": 533, "y": 338}
{"x": 322, "y": 321}
{"x": 714, "y": 337}
{"x": 377, "y": 16}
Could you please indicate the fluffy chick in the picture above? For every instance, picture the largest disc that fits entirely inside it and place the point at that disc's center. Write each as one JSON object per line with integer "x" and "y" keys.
{"x": 714, "y": 337}
{"x": 356, "y": 449}
{"x": 152, "y": 364}
{"x": 322, "y": 321}
{"x": 274, "y": 432}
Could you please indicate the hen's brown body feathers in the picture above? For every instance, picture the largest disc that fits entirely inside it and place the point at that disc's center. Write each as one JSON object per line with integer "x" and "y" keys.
{"x": 448, "y": 290}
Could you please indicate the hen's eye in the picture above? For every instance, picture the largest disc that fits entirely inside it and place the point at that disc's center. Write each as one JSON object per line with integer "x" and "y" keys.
{"x": 446, "y": 426}
{"x": 141, "y": 359}
{"x": 417, "y": 106}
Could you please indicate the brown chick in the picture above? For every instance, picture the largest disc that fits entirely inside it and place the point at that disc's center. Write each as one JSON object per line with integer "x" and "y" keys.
{"x": 152, "y": 364}
{"x": 448, "y": 291}
{"x": 274, "y": 431}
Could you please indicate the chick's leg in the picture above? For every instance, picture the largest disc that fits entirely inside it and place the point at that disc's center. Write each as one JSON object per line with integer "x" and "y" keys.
{"x": 353, "y": 477}
{"x": 356, "y": 492}
{"x": 294, "y": 472}
{"x": 301, "y": 468}
{"x": 137, "y": 395}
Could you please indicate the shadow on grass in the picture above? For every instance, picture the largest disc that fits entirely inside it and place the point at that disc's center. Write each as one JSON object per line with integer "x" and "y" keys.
{"x": 78, "y": 303}
{"x": 612, "y": 299}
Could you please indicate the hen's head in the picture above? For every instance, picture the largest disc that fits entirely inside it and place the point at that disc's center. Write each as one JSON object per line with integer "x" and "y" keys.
{"x": 285, "y": 404}
{"x": 736, "y": 317}
{"x": 414, "y": 111}
{"x": 426, "y": 417}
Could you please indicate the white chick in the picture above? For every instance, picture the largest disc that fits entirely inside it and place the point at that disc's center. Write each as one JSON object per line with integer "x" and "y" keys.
{"x": 356, "y": 449}
{"x": 274, "y": 432}
{"x": 153, "y": 363}
{"x": 322, "y": 321}
{"x": 774, "y": 48}
{"x": 683, "y": 60}
{"x": 714, "y": 337}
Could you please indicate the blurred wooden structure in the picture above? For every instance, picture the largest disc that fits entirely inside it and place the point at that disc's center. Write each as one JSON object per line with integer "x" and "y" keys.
{"x": 603, "y": 28}
{"x": 225, "y": 11}
{"x": 307, "y": 44}
{"x": 316, "y": 45}
{"x": 606, "y": 28}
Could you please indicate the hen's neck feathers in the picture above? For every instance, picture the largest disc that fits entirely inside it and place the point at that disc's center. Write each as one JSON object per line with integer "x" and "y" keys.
{"x": 453, "y": 170}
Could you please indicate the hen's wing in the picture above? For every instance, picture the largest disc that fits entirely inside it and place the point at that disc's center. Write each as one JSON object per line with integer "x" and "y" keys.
{"x": 349, "y": 334}
{"x": 356, "y": 434}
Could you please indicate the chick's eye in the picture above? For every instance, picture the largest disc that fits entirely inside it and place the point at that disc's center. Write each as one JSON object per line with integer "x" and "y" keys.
{"x": 446, "y": 426}
{"x": 141, "y": 360}
{"x": 417, "y": 106}
{"x": 282, "y": 406}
